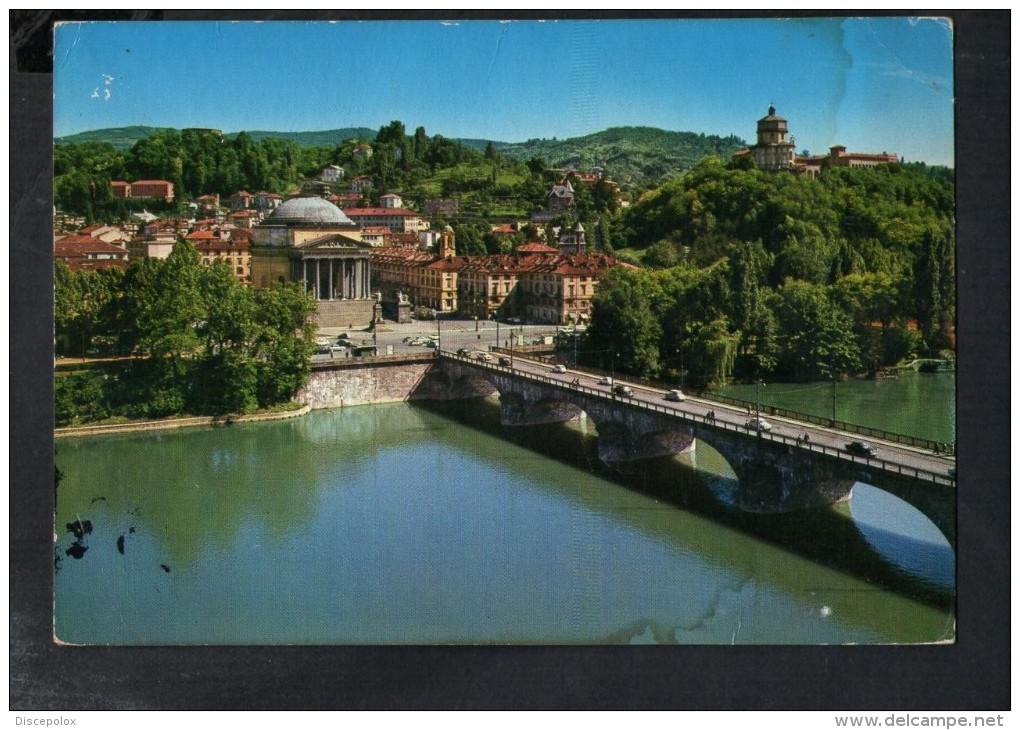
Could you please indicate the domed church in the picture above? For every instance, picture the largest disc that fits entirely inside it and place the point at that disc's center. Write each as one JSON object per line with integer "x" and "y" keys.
{"x": 311, "y": 241}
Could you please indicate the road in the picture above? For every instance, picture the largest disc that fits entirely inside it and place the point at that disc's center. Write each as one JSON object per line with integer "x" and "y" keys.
{"x": 456, "y": 334}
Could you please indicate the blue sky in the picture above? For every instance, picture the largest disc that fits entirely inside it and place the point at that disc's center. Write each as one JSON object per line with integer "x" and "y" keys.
{"x": 879, "y": 84}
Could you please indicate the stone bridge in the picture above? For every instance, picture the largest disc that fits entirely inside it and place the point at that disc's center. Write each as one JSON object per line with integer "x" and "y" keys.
{"x": 774, "y": 473}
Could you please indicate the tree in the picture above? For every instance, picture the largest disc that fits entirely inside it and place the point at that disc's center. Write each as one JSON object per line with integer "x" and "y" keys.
{"x": 82, "y": 306}
{"x": 283, "y": 342}
{"x": 816, "y": 337}
{"x": 624, "y": 327}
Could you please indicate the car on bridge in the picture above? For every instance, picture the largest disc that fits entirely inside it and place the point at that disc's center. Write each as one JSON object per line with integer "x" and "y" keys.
{"x": 862, "y": 448}
{"x": 559, "y": 368}
{"x": 624, "y": 390}
{"x": 605, "y": 380}
{"x": 504, "y": 360}
{"x": 758, "y": 424}
{"x": 484, "y": 356}
{"x": 675, "y": 395}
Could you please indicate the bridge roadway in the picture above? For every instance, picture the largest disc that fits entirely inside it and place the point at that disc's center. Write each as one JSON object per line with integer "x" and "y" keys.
{"x": 892, "y": 457}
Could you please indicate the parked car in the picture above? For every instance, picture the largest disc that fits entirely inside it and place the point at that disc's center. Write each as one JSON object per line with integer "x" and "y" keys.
{"x": 624, "y": 390}
{"x": 504, "y": 360}
{"x": 605, "y": 380}
{"x": 758, "y": 424}
{"x": 862, "y": 448}
{"x": 559, "y": 368}
{"x": 675, "y": 395}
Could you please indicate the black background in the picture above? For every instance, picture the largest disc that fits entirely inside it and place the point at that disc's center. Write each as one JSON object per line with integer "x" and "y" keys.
{"x": 973, "y": 673}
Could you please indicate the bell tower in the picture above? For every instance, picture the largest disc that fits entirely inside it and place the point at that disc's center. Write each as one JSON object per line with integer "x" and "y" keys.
{"x": 447, "y": 243}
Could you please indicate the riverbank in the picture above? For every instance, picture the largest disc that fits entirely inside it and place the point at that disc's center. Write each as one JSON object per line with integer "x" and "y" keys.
{"x": 166, "y": 424}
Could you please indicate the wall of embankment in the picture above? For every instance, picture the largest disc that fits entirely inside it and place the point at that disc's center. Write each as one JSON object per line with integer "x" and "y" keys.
{"x": 353, "y": 382}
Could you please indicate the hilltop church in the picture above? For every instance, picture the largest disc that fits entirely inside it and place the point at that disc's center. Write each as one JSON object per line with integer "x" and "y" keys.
{"x": 774, "y": 152}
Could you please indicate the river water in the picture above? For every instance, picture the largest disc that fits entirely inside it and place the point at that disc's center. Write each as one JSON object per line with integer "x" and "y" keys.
{"x": 413, "y": 524}
{"x": 914, "y": 404}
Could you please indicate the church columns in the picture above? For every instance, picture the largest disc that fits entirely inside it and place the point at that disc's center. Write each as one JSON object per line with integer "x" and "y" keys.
{"x": 330, "y": 263}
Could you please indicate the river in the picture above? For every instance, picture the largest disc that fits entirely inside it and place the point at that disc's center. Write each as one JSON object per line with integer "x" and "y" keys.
{"x": 413, "y": 524}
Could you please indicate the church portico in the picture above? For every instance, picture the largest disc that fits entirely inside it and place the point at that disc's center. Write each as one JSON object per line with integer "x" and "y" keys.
{"x": 329, "y": 277}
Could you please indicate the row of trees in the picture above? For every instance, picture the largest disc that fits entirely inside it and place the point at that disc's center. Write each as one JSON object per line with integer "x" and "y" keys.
{"x": 201, "y": 342}
{"x": 762, "y": 274}
{"x": 706, "y": 323}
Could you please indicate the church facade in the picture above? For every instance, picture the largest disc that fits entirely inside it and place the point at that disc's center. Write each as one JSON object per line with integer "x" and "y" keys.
{"x": 311, "y": 241}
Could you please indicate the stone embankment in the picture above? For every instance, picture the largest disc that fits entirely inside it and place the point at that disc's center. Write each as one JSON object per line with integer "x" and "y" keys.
{"x": 357, "y": 381}
{"x": 173, "y": 423}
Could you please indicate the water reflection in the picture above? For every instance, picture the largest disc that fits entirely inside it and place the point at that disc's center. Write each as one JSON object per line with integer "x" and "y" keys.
{"x": 396, "y": 524}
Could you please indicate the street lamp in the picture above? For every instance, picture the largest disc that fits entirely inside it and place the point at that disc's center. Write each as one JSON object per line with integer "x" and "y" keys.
{"x": 832, "y": 374}
{"x": 612, "y": 376}
{"x": 439, "y": 339}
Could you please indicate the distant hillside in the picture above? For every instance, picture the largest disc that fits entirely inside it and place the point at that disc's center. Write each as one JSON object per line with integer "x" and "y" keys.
{"x": 632, "y": 156}
{"x": 326, "y": 138}
{"x": 629, "y": 155}
{"x": 123, "y": 138}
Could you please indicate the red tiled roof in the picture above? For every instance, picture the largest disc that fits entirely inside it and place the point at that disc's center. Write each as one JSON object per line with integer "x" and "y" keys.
{"x": 536, "y": 247}
{"x": 79, "y": 247}
{"x": 201, "y": 236}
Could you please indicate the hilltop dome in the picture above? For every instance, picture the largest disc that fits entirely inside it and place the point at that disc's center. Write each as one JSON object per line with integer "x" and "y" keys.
{"x": 309, "y": 211}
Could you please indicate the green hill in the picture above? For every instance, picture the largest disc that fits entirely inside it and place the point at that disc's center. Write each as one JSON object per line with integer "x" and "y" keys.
{"x": 326, "y": 138}
{"x": 632, "y": 156}
{"x": 121, "y": 138}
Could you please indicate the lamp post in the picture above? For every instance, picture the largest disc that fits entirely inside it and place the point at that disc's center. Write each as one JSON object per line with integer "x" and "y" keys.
{"x": 497, "y": 332}
{"x": 439, "y": 339}
{"x": 834, "y": 400}
{"x": 612, "y": 376}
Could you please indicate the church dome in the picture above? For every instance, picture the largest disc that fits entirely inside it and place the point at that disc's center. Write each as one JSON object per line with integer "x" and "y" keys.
{"x": 309, "y": 211}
